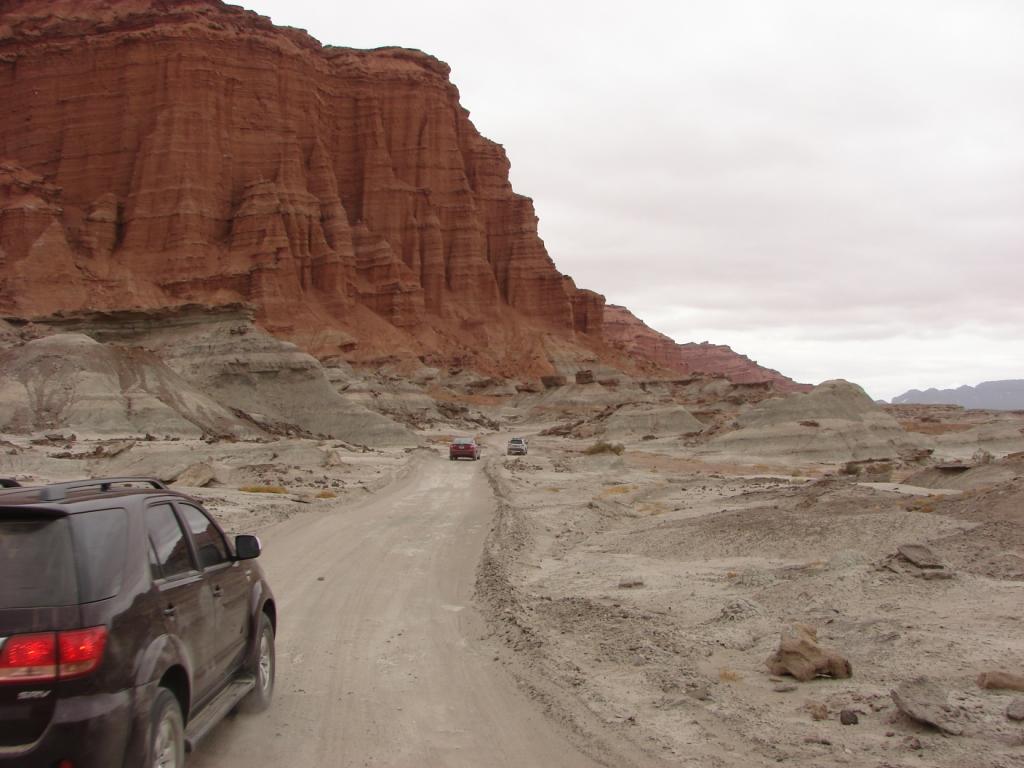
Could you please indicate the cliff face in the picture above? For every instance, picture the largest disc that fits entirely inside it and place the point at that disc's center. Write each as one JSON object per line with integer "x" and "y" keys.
{"x": 158, "y": 153}
{"x": 625, "y": 331}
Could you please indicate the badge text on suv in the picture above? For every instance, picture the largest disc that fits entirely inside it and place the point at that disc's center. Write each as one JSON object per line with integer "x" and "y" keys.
{"x": 129, "y": 625}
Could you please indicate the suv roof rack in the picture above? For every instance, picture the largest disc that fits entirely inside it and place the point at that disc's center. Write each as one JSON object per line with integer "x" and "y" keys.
{"x": 58, "y": 491}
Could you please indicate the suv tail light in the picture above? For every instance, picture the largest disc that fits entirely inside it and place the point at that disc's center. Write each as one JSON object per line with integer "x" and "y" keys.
{"x": 29, "y": 658}
{"x": 80, "y": 651}
{"x": 47, "y": 656}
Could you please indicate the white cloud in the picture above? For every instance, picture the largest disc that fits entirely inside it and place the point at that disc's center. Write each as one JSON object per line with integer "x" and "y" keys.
{"x": 835, "y": 189}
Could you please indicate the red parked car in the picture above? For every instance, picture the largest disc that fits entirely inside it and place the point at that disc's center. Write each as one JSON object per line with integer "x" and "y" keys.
{"x": 464, "y": 448}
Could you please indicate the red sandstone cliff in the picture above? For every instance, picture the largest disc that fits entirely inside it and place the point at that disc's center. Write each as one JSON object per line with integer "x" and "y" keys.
{"x": 156, "y": 153}
{"x": 163, "y": 152}
{"x": 622, "y": 329}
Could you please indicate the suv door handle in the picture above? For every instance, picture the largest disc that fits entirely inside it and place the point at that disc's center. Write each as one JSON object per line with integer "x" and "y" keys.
{"x": 217, "y": 591}
{"x": 170, "y": 611}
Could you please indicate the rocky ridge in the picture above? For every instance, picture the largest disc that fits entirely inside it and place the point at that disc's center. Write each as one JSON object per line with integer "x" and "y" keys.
{"x": 160, "y": 153}
{"x": 1006, "y": 395}
{"x": 625, "y": 331}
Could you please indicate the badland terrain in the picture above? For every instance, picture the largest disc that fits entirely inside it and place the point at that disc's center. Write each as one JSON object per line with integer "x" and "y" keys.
{"x": 283, "y": 275}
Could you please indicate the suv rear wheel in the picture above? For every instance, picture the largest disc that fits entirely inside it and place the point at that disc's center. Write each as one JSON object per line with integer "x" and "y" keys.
{"x": 264, "y": 668}
{"x": 167, "y": 734}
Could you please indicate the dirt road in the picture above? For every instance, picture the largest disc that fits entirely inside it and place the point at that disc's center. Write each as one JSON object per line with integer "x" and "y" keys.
{"x": 380, "y": 659}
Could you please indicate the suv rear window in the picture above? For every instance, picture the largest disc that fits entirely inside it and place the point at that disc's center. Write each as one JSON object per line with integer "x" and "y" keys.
{"x": 36, "y": 566}
{"x": 101, "y": 538}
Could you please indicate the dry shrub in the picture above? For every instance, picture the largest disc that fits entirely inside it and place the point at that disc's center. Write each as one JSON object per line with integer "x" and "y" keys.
{"x": 604, "y": 447}
{"x": 981, "y": 456}
{"x": 926, "y": 505}
{"x": 616, "y": 490}
{"x": 264, "y": 489}
{"x": 653, "y": 508}
{"x": 727, "y": 675}
{"x": 325, "y": 494}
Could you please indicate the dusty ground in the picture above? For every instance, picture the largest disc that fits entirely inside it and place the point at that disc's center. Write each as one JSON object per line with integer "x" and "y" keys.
{"x": 382, "y": 656}
{"x": 655, "y": 593}
{"x": 250, "y": 485}
{"x": 564, "y": 609}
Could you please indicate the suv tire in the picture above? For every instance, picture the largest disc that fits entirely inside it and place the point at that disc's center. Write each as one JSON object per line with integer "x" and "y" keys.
{"x": 167, "y": 732}
{"x": 264, "y": 668}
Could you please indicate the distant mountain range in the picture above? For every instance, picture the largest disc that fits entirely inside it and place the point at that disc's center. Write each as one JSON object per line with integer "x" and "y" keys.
{"x": 1005, "y": 395}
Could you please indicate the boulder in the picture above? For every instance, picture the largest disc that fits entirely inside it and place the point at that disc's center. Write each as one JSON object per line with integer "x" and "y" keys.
{"x": 924, "y": 700}
{"x": 1001, "y": 680}
{"x": 198, "y": 475}
{"x": 800, "y": 655}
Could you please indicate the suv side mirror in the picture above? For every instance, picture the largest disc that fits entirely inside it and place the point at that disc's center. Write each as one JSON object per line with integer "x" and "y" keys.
{"x": 247, "y": 547}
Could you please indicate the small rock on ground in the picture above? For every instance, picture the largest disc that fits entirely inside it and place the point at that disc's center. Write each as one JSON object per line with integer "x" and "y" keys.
{"x": 1015, "y": 711}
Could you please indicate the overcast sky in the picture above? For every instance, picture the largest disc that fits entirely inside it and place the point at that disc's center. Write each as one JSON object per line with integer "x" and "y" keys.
{"x": 835, "y": 189}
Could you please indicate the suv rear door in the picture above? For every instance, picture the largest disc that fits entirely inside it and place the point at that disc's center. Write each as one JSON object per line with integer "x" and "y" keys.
{"x": 38, "y": 595}
{"x": 229, "y": 581}
{"x": 185, "y": 597}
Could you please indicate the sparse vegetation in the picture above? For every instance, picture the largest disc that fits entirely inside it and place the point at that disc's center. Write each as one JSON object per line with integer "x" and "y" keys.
{"x": 982, "y": 456}
{"x": 727, "y": 675}
{"x": 263, "y": 489}
{"x": 604, "y": 447}
{"x": 925, "y": 504}
{"x": 327, "y": 494}
{"x": 617, "y": 490}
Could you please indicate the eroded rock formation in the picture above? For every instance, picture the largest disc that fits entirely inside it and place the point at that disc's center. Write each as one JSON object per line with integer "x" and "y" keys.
{"x": 624, "y": 330}
{"x": 159, "y": 153}
{"x": 189, "y": 151}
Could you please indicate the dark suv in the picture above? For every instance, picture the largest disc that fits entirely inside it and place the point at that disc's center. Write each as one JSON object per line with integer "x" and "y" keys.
{"x": 129, "y": 625}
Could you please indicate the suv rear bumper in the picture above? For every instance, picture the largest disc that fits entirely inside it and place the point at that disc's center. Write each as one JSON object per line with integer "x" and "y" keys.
{"x": 90, "y": 731}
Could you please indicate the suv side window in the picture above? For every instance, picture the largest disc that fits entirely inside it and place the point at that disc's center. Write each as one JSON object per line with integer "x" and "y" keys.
{"x": 209, "y": 543}
{"x": 169, "y": 542}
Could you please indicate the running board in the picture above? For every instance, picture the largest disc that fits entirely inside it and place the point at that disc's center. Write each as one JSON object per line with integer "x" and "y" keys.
{"x": 217, "y": 709}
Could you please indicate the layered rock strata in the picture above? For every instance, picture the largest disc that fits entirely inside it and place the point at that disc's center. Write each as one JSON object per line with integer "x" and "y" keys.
{"x": 182, "y": 151}
{"x": 71, "y": 381}
{"x": 624, "y": 330}
{"x": 161, "y": 153}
